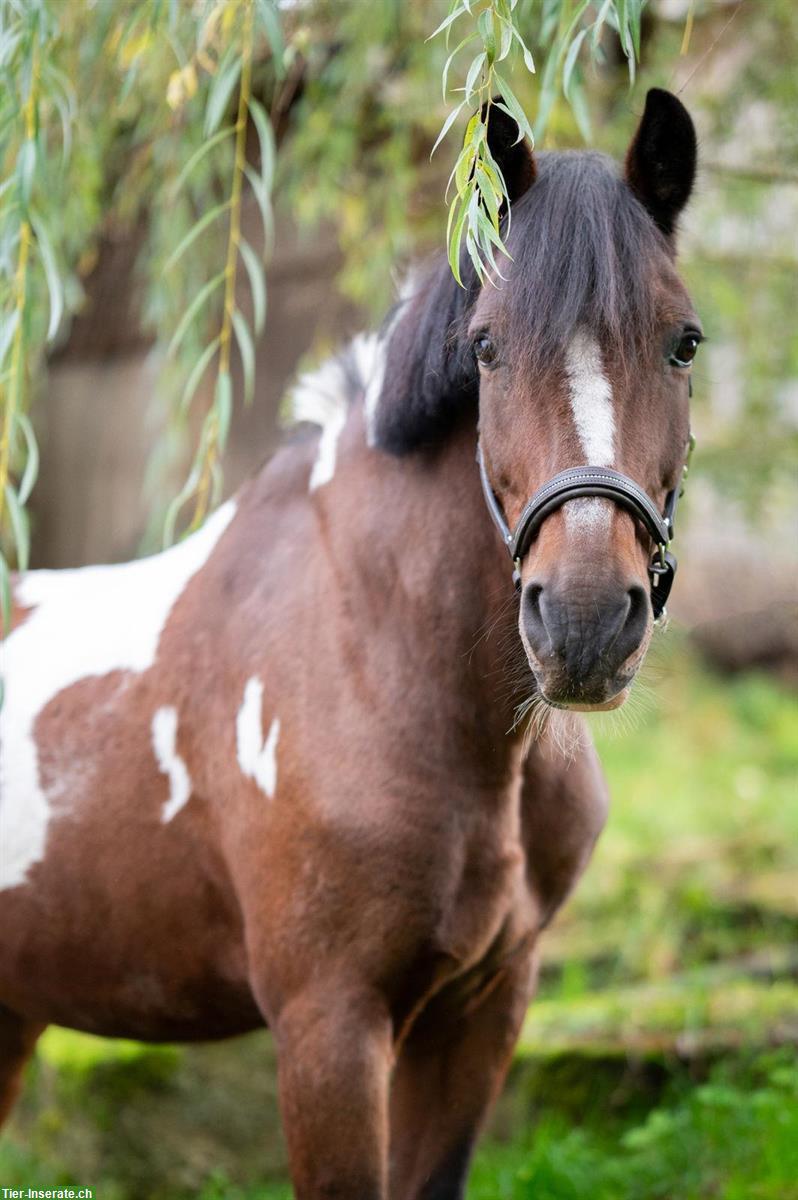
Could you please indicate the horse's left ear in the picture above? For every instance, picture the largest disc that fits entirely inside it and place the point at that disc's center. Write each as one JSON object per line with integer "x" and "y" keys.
{"x": 511, "y": 151}
{"x": 661, "y": 161}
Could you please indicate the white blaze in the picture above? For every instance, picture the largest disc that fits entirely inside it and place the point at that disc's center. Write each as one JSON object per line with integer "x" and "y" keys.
{"x": 590, "y": 393}
{"x": 85, "y": 622}
{"x": 256, "y": 757}
{"x": 164, "y": 743}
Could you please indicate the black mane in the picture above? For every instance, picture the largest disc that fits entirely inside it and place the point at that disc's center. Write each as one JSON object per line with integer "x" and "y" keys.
{"x": 583, "y": 249}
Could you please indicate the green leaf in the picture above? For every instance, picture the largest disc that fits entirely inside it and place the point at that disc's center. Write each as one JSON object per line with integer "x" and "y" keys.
{"x": 266, "y": 139}
{"x": 264, "y": 204}
{"x": 270, "y": 23}
{"x": 487, "y": 32}
{"x": 197, "y": 372}
{"x": 623, "y": 31}
{"x": 580, "y": 107}
{"x": 8, "y": 44}
{"x": 55, "y": 287}
{"x": 473, "y": 254}
{"x": 505, "y": 39}
{"x": 19, "y": 527}
{"x": 191, "y": 312}
{"x": 474, "y": 72}
{"x": 488, "y": 193}
{"x": 222, "y": 406}
{"x": 455, "y": 236}
{"x": 257, "y": 284}
{"x": 200, "y": 153}
{"x": 548, "y": 93}
{"x": 247, "y": 351}
{"x": 5, "y": 593}
{"x": 202, "y": 224}
{"x": 446, "y": 66}
{"x": 514, "y": 109}
{"x": 570, "y": 63}
{"x": 31, "y": 471}
{"x": 8, "y": 327}
{"x": 463, "y": 167}
{"x": 26, "y": 170}
{"x": 447, "y": 21}
{"x": 220, "y": 93}
{"x": 447, "y": 124}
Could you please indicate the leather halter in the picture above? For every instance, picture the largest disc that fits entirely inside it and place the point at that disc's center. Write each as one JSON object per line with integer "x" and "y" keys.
{"x": 592, "y": 481}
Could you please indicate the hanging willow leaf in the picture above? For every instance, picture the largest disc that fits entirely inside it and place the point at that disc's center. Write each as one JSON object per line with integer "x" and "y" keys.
{"x": 221, "y": 91}
{"x": 202, "y": 224}
{"x": 201, "y": 153}
{"x": 256, "y": 283}
{"x": 5, "y": 592}
{"x": 197, "y": 372}
{"x": 447, "y": 124}
{"x": 270, "y": 24}
{"x": 263, "y": 198}
{"x": 8, "y": 327}
{"x": 19, "y": 527}
{"x": 192, "y": 311}
{"x": 222, "y": 409}
{"x": 247, "y": 351}
{"x": 55, "y": 286}
{"x": 266, "y": 139}
{"x": 31, "y": 472}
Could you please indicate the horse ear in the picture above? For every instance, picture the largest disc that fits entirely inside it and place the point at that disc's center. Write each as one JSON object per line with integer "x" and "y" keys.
{"x": 511, "y": 151}
{"x": 430, "y": 377}
{"x": 661, "y": 161}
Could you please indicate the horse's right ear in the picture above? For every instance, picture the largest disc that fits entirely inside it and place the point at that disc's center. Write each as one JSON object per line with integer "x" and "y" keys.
{"x": 511, "y": 151}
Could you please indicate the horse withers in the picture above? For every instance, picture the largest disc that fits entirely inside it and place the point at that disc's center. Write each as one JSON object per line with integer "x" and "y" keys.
{"x": 274, "y": 775}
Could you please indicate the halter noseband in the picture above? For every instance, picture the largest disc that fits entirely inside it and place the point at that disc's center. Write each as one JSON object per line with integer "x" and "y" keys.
{"x": 592, "y": 481}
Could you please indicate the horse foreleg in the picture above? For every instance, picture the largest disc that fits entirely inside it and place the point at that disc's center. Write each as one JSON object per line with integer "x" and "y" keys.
{"x": 448, "y": 1074}
{"x": 334, "y": 1060}
{"x": 17, "y": 1040}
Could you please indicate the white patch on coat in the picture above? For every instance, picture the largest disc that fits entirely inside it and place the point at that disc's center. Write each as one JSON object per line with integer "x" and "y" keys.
{"x": 256, "y": 757}
{"x": 320, "y": 398}
{"x": 85, "y": 622}
{"x": 164, "y": 743}
{"x": 590, "y": 393}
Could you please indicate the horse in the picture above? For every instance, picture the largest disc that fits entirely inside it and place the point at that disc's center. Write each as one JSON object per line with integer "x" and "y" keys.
{"x": 276, "y": 775}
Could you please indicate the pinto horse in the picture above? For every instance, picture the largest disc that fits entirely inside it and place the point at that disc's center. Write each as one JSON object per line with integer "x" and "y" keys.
{"x": 272, "y": 775}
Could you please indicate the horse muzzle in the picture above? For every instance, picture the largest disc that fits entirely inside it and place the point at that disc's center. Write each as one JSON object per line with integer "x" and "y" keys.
{"x": 584, "y": 647}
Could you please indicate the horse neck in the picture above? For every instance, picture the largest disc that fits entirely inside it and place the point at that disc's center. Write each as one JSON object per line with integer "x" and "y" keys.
{"x": 422, "y": 566}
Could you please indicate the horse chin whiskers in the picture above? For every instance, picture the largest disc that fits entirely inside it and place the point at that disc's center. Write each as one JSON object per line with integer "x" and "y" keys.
{"x": 558, "y": 729}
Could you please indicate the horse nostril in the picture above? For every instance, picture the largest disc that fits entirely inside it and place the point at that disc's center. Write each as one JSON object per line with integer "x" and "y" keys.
{"x": 634, "y": 627}
{"x": 533, "y": 618}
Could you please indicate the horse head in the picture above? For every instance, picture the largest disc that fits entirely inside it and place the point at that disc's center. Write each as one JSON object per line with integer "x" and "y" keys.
{"x": 578, "y": 363}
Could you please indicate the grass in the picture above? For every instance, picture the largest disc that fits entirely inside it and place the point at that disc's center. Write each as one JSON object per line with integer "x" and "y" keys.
{"x": 659, "y": 1060}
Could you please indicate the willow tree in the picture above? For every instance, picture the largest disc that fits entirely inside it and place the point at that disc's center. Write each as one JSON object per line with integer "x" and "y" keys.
{"x": 167, "y": 112}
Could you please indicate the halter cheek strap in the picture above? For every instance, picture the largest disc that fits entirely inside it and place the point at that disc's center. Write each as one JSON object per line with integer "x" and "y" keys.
{"x": 591, "y": 481}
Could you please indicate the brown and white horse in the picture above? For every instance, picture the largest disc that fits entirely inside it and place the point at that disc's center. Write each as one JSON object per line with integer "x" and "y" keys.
{"x": 271, "y": 775}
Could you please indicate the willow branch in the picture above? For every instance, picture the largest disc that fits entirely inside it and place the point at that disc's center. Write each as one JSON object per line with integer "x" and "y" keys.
{"x": 230, "y": 270}
{"x": 13, "y": 401}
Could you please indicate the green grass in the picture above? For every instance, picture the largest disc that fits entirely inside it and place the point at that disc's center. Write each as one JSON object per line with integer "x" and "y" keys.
{"x": 732, "y": 1138}
{"x": 659, "y": 1060}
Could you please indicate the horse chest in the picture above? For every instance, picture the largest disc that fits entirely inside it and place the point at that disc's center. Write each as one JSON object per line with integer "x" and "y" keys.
{"x": 489, "y": 905}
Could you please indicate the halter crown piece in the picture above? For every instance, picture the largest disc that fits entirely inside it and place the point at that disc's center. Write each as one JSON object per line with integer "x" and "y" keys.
{"x": 593, "y": 481}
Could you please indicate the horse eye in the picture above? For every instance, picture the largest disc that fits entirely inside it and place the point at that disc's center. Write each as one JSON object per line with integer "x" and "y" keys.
{"x": 684, "y": 353}
{"x": 484, "y": 349}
